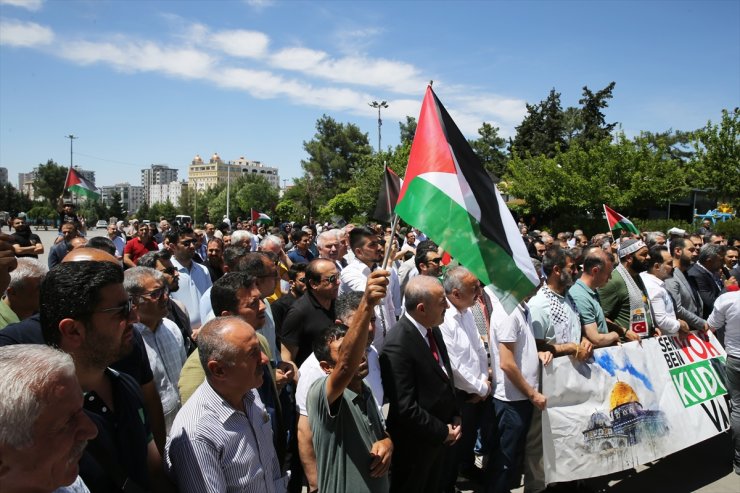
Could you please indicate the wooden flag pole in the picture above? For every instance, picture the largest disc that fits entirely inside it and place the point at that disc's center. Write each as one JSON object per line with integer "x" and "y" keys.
{"x": 389, "y": 244}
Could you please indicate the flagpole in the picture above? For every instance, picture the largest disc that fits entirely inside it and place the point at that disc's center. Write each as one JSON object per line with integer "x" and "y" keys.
{"x": 389, "y": 245}
{"x": 606, "y": 216}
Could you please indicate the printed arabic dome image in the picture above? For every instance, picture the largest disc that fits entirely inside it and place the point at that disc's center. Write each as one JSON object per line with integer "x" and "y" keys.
{"x": 622, "y": 394}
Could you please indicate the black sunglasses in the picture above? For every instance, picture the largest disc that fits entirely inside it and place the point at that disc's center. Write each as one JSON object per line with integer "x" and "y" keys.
{"x": 332, "y": 279}
{"x": 123, "y": 310}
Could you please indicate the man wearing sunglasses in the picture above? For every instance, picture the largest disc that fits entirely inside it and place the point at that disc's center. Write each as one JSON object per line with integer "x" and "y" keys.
{"x": 195, "y": 279}
{"x": 164, "y": 342}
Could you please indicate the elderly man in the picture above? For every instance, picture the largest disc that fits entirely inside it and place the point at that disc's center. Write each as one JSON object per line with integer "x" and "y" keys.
{"x": 194, "y": 278}
{"x": 469, "y": 362}
{"x": 274, "y": 244}
{"x": 139, "y": 245}
{"x": 44, "y": 430}
{"x": 59, "y": 250}
{"x": 346, "y": 423}
{"x": 117, "y": 239}
{"x": 704, "y": 275}
{"x": 329, "y": 245}
{"x": 86, "y": 312}
{"x": 222, "y": 439}
{"x": 369, "y": 250}
{"x": 21, "y": 298}
{"x": 164, "y": 342}
{"x": 624, "y": 298}
{"x": 26, "y": 243}
{"x": 423, "y": 419}
{"x": 688, "y": 304}
{"x": 660, "y": 269}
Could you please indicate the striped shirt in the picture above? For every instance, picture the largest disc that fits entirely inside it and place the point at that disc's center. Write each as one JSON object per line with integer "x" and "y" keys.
{"x": 213, "y": 447}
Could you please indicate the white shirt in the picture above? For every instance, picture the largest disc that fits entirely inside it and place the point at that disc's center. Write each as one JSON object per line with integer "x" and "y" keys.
{"x": 354, "y": 278}
{"x": 514, "y": 328}
{"x": 726, "y": 313}
{"x": 120, "y": 244}
{"x": 660, "y": 301}
{"x": 468, "y": 356}
{"x": 193, "y": 283}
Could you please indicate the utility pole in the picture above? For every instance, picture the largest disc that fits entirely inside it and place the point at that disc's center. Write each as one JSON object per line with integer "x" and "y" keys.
{"x": 378, "y": 105}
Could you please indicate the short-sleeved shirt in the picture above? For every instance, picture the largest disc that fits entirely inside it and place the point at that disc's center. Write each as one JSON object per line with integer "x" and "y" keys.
{"x": 123, "y": 432}
{"x": 7, "y": 315}
{"x": 24, "y": 241}
{"x": 297, "y": 257}
{"x": 543, "y": 326}
{"x": 136, "y": 249}
{"x": 343, "y": 435}
{"x": 193, "y": 284}
{"x": 306, "y": 320}
{"x": 589, "y": 306}
{"x": 726, "y": 314}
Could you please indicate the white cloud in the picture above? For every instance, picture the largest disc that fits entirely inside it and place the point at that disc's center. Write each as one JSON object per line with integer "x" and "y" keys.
{"x": 25, "y": 34}
{"x": 241, "y": 43}
{"x": 260, "y": 4}
{"x": 32, "y": 5}
{"x": 300, "y": 59}
{"x": 137, "y": 56}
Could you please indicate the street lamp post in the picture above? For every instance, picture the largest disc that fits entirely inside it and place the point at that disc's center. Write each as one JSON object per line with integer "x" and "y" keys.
{"x": 71, "y": 160}
{"x": 378, "y": 105}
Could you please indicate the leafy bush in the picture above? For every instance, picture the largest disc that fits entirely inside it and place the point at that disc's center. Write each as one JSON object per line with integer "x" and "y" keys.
{"x": 730, "y": 229}
{"x": 663, "y": 225}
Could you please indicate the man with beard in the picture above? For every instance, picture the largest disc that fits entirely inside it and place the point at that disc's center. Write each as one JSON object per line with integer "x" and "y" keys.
{"x": 118, "y": 241}
{"x": 369, "y": 250}
{"x": 215, "y": 258}
{"x": 163, "y": 339}
{"x": 139, "y": 245}
{"x": 25, "y": 243}
{"x": 624, "y": 298}
{"x": 194, "y": 278}
{"x": 43, "y": 432}
{"x": 86, "y": 312}
{"x": 688, "y": 304}
{"x": 557, "y": 329}
{"x": 704, "y": 275}
{"x": 161, "y": 261}
{"x": 660, "y": 269}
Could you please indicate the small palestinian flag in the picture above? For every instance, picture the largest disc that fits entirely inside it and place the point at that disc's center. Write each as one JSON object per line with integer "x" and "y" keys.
{"x": 259, "y": 217}
{"x": 76, "y": 183}
{"x": 387, "y": 196}
{"x": 448, "y": 194}
{"x": 619, "y": 222}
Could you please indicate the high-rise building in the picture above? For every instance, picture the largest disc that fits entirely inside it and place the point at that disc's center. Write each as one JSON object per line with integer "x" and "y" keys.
{"x": 168, "y": 191}
{"x": 25, "y": 183}
{"x": 3, "y": 176}
{"x": 132, "y": 196}
{"x": 157, "y": 174}
{"x": 202, "y": 175}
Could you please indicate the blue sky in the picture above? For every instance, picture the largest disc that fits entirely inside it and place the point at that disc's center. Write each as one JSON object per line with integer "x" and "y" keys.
{"x": 143, "y": 82}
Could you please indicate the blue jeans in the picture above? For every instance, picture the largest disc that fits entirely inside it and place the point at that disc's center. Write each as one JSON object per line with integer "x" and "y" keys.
{"x": 733, "y": 383}
{"x": 512, "y": 424}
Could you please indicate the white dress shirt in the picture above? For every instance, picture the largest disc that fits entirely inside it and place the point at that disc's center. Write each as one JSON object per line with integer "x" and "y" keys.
{"x": 354, "y": 278}
{"x": 726, "y": 314}
{"x": 193, "y": 283}
{"x": 661, "y": 303}
{"x": 468, "y": 356}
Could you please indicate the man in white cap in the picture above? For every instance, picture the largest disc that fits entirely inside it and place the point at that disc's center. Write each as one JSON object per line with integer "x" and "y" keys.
{"x": 624, "y": 298}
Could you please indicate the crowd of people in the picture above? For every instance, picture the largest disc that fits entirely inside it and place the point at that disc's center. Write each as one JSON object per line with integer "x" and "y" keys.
{"x": 165, "y": 358}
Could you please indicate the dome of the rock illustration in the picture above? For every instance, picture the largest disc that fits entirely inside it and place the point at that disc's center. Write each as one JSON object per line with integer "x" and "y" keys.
{"x": 622, "y": 393}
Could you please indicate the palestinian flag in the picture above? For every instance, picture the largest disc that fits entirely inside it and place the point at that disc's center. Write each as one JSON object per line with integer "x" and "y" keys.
{"x": 619, "y": 222}
{"x": 447, "y": 194}
{"x": 76, "y": 183}
{"x": 259, "y": 217}
{"x": 387, "y": 196}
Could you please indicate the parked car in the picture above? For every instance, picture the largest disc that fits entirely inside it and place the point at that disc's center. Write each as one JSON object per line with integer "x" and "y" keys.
{"x": 101, "y": 224}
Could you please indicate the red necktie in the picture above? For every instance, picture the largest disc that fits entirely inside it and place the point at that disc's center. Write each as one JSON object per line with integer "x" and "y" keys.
{"x": 433, "y": 345}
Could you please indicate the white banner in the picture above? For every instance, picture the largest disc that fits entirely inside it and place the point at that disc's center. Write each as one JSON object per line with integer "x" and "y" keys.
{"x": 632, "y": 404}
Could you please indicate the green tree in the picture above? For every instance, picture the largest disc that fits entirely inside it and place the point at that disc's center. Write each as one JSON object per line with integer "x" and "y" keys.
{"x": 346, "y": 205}
{"x": 408, "y": 129}
{"x": 717, "y": 165}
{"x": 333, "y": 155}
{"x": 49, "y": 181}
{"x": 13, "y": 201}
{"x": 595, "y": 128}
{"x": 489, "y": 148}
{"x": 542, "y": 132}
{"x": 144, "y": 212}
{"x": 254, "y": 191}
{"x": 116, "y": 208}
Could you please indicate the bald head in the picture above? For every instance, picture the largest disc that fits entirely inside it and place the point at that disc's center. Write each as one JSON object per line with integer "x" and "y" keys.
{"x": 425, "y": 300}
{"x": 89, "y": 254}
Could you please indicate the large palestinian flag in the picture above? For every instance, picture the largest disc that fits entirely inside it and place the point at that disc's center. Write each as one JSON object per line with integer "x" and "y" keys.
{"x": 80, "y": 185}
{"x": 447, "y": 194}
{"x": 259, "y": 217}
{"x": 618, "y": 222}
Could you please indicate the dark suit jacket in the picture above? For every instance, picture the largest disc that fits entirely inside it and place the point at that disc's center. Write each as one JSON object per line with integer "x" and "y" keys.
{"x": 706, "y": 286}
{"x": 421, "y": 396}
{"x": 689, "y": 306}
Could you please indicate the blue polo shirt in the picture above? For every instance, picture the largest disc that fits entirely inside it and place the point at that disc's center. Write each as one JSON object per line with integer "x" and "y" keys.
{"x": 589, "y": 307}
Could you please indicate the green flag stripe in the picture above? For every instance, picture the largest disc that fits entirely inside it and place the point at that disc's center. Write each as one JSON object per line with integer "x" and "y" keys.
{"x": 83, "y": 191}
{"x": 444, "y": 221}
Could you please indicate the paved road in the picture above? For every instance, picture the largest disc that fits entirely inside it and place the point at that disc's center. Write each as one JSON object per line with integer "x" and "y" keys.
{"x": 705, "y": 467}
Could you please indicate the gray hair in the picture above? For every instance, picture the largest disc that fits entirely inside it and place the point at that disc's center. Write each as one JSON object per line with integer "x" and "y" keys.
{"x": 28, "y": 268}
{"x": 241, "y": 235}
{"x": 133, "y": 278}
{"x": 418, "y": 290}
{"x": 30, "y": 377}
{"x": 454, "y": 278}
{"x": 326, "y": 236}
{"x": 347, "y": 304}
{"x": 270, "y": 240}
{"x": 212, "y": 345}
{"x": 709, "y": 251}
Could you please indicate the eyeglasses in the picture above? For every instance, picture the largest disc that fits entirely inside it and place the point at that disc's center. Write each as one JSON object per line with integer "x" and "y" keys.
{"x": 187, "y": 243}
{"x": 301, "y": 279}
{"x": 123, "y": 310}
{"x": 154, "y": 295}
{"x": 331, "y": 279}
{"x": 435, "y": 260}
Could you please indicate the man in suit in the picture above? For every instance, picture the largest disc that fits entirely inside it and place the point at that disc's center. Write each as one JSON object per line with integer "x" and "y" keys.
{"x": 688, "y": 304}
{"x": 423, "y": 420}
{"x": 704, "y": 274}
